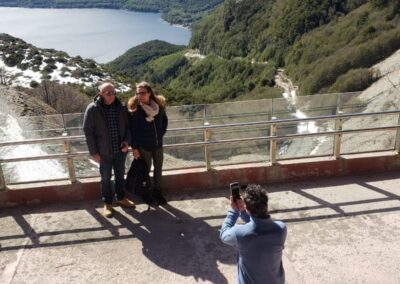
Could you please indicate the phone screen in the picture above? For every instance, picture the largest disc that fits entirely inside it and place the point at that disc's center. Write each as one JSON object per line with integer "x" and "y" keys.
{"x": 235, "y": 190}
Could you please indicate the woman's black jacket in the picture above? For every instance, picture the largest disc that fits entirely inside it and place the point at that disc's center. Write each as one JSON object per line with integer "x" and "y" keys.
{"x": 148, "y": 135}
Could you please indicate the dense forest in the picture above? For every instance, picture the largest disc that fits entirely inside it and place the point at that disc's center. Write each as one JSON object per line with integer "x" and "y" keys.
{"x": 324, "y": 46}
{"x": 235, "y": 51}
{"x": 182, "y": 12}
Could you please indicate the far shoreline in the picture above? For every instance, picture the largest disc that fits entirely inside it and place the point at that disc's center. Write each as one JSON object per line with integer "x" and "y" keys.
{"x": 102, "y": 8}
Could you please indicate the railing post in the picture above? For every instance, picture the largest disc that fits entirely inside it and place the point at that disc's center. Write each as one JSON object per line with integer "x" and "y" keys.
{"x": 338, "y": 137}
{"x": 273, "y": 147}
{"x": 397, "y": 143}
{"x": 207, "y": 153}
{"x": 70, "y": 162}
{"x": 2, "y": 180}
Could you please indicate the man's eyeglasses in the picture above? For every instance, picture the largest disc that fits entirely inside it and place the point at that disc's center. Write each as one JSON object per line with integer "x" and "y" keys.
{"x": 109, "y": 93}
{"x": 141, "y": 93}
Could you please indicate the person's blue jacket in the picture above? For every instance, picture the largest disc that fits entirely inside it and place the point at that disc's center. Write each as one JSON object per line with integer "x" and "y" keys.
{"x": 259, "y": 243}
{"x": 148, "y": 135}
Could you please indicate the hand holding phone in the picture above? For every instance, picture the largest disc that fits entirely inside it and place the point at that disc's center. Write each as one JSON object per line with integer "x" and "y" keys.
{"x": 235, "y": 191}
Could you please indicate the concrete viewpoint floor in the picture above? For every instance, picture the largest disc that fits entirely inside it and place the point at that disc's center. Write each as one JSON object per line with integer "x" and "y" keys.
{"x": 340, "y": 230}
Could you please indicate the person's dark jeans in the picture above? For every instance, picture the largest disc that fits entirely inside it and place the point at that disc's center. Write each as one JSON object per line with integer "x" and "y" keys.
{"x": 106, "y": 165}
{"x": 157, "y": 157}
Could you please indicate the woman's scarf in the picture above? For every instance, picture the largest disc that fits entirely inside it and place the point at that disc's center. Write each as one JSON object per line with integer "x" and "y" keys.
{"x": 150, "y": 110}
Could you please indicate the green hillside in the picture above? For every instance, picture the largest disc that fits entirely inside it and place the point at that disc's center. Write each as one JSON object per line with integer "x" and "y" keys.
{"x": 324, "y": 46}
{"x": 317, "y": 41}
{"x": 131, "y": 62}
{"x": 174, "y": 11}
{"x": 195, "y": 80}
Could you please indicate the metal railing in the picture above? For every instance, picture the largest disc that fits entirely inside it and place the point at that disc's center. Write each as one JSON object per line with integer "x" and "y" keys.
{"x": 273, "y": 138}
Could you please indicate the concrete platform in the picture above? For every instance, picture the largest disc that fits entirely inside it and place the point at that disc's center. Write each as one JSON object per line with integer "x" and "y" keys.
{"x": 340, "y": 230}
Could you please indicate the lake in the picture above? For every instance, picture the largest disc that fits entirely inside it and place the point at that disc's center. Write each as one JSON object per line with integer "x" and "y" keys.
{"x": 100, "y": 34}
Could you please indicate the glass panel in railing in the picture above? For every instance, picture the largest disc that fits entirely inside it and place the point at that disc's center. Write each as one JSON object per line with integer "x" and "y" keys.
{"x": 316, "y": 105}
{"x": 242, "y": 150}
{"x": 183, "y": 157}
{"x": 85, "y": 167}
{"x": 352, "y": 102}
{"x": 319, "y": 145}
{"x": 41, "y": 126}
{"x": 185, "y": 116}
{"x": 73, "y": 123}
{"x": 305, "y": 147}
{"x": 34, "y": 171}
{"x": 380, "y": 140}
{"x": 179, "y": 137}
{"x": 282, "y": 109}
{"x": 239, "y": 132}
{"x": 239, "y": 153}
{"x": 238, "y": 112}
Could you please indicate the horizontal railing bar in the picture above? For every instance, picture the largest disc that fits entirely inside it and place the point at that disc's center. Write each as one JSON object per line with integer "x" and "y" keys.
{"x": 269, "y": 122}
{"x": 46, "y": 157}
{"x": 285, "y": 121}
{"x": 42, "y": 140}
{"x": 202, "y": 143}
{"x": 281, "y": 137}
{"x": 333, "y": 132}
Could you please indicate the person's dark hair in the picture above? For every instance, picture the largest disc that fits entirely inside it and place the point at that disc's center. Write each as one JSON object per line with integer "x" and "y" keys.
{"x": 256, "y": 199}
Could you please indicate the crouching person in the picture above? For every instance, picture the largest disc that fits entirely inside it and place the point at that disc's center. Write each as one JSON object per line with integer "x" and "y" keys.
{"x": 105, "y": 125}
{"x": 259, "y": 241}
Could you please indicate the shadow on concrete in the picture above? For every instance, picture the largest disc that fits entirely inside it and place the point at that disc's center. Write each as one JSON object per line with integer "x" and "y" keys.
{"x": 171, "y": 239}
{"x": 177, "y": 242}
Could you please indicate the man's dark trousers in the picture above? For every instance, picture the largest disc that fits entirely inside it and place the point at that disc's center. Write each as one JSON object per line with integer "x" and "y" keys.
{"x": 106, "y": 165}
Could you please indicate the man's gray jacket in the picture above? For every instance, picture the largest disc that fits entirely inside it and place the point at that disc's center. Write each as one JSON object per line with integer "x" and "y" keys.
{"x": 96, "y": 130}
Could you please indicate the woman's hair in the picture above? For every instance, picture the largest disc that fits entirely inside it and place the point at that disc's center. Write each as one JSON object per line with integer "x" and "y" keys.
{"x": 256, "y": 200}
{"x": 133, "y": 102}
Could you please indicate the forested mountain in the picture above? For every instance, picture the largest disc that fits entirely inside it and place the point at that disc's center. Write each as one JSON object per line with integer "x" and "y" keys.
{"x": 181, "y": 12}
{"x": 324, "y": 45}
{"x": 235, "y": 52}
{"x": 128, "y": 62}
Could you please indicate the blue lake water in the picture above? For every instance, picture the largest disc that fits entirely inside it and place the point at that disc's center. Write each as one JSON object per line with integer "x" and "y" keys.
{"x": 100, "y": 34}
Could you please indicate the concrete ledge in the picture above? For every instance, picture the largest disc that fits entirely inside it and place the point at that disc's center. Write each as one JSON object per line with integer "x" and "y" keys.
{"x": 199, "y": 179}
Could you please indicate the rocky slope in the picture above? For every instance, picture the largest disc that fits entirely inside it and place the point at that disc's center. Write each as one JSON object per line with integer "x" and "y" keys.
{"x": 383, "y": 95}
{"x": 18, "y": 103}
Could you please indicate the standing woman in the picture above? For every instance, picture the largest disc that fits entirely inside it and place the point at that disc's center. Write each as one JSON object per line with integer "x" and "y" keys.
{"x": 148, "y": 123}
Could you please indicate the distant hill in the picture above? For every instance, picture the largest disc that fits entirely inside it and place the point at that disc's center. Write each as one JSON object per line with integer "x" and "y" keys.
{"x": 182, "y": 12}
{"x": 129, "y": 62}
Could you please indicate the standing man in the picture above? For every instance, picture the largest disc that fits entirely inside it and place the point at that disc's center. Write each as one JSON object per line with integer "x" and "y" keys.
{"x": 106, "y": 129}
{"x": 259, "y": 242}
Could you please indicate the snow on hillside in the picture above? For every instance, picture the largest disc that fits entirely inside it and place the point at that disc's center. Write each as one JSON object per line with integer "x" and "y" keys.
{"x": 24, "y": 65}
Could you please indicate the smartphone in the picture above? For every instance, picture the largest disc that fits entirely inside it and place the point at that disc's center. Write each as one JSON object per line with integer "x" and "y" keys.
{"x": 235, "y": 190}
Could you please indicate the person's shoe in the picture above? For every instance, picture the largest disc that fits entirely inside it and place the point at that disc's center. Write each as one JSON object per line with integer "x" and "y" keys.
{"x": 126, "y": 203}
{"x": 148, "y": 198}
{"x": 159, "y": 197}
{"x": 108, "y": 211}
